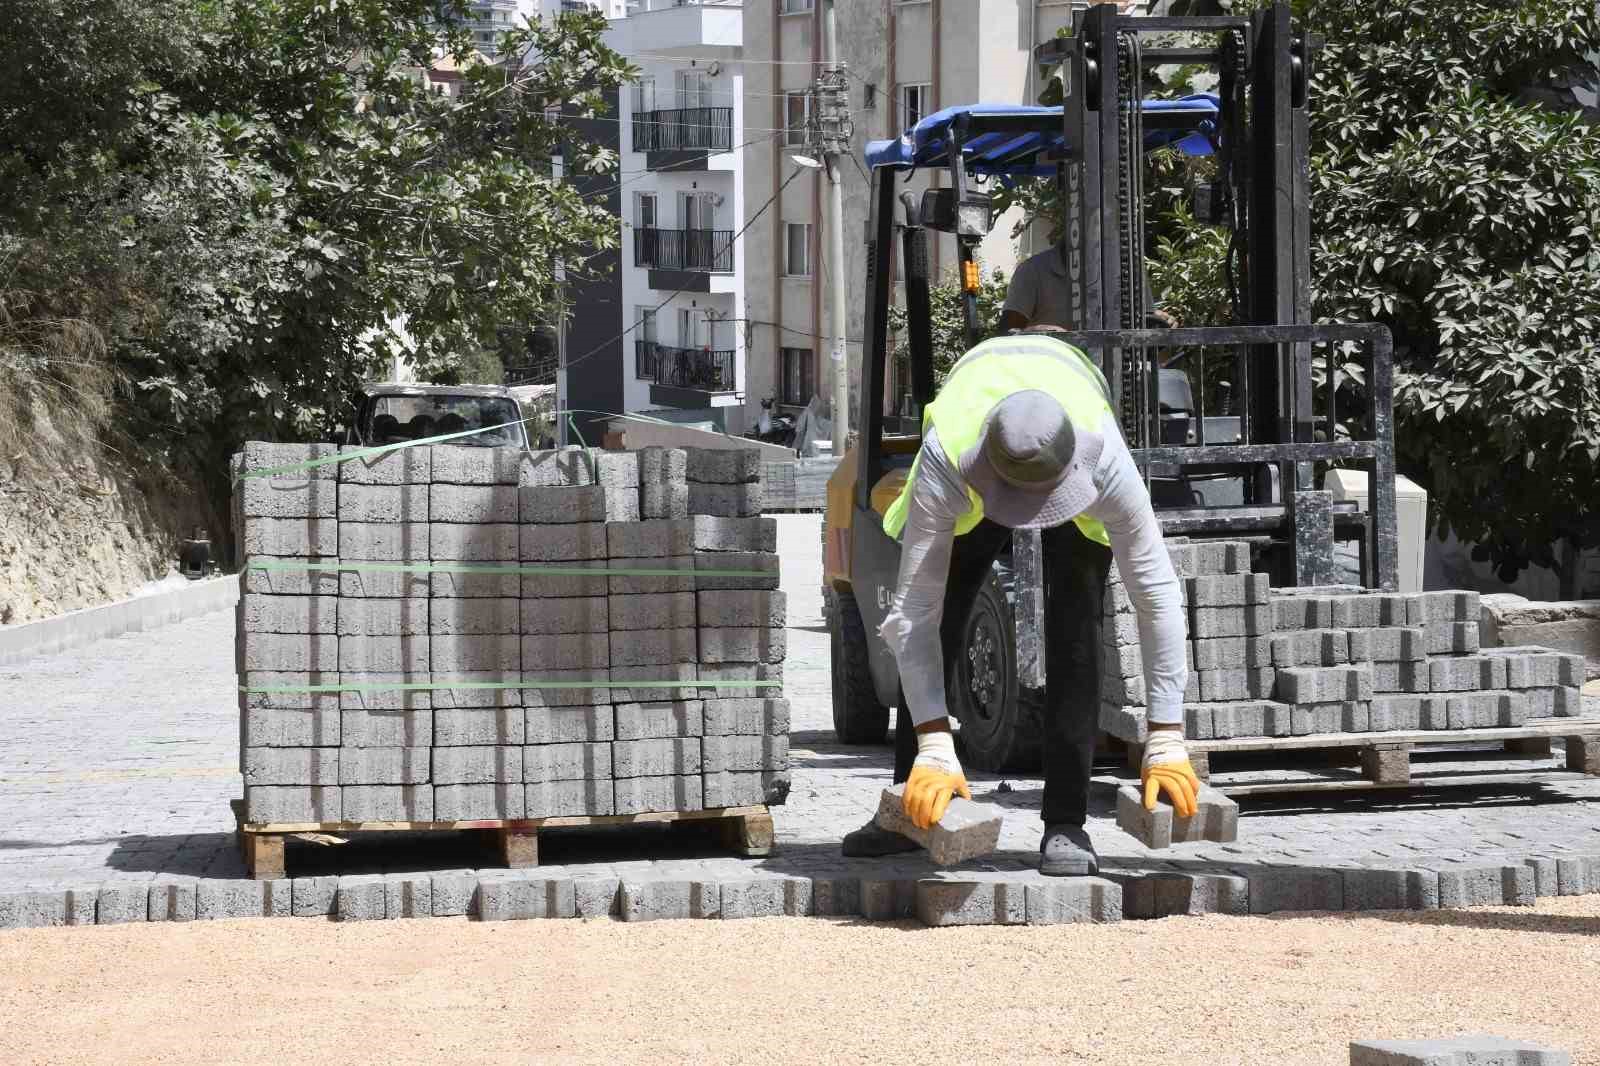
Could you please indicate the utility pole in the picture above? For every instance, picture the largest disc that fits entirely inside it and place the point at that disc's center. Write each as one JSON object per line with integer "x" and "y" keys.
{"x": 831, "y": 104}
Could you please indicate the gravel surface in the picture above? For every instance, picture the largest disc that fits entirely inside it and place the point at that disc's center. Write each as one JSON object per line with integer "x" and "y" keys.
{"x": 1261, "y": 990}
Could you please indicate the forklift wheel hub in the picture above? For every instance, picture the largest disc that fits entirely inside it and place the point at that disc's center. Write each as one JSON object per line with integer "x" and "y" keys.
{"x": 985, "y": 661}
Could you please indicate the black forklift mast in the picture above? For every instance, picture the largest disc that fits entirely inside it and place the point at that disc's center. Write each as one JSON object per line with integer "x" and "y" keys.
{"x": 1263, "y": 155}
{"x": 1276, "y": 425}
{"x": 919, "y": 308}
{"x": 1260, "y": 138}
{"x": 875, "y": 330}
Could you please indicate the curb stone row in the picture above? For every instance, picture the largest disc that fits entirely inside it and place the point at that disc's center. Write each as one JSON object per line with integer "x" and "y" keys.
{"x": 941, "y": 898}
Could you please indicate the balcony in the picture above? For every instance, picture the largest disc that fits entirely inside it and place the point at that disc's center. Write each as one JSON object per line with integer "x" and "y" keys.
{"x": 710, "y": 28}
{"x": 683, "y": 259}
{"x": 682, "y": 138}
{"x": 639, "y": 7}
{"x": 685, "y": 377}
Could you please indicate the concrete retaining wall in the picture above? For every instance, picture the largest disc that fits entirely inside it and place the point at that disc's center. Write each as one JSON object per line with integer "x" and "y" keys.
{"x": 638, "y": 435}
{"x": 72, "y": 630}
{"x": 1565, "y": 625}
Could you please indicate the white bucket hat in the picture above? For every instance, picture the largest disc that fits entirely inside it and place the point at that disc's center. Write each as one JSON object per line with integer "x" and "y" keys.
{"x": 1031, "y": 466}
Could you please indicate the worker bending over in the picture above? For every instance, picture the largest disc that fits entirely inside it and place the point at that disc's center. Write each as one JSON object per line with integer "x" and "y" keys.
{"x": 1022, "y": 436}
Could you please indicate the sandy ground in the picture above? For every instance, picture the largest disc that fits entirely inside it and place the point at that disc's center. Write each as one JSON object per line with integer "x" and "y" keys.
{"x": 1178, "y": 991}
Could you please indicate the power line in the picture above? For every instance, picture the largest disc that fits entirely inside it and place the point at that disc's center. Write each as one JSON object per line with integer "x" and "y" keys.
{"x": 860, "y": 169}
{"x": 789, "y": 329}
{"x": 637, "y": 175}
{"x": 570, "y": 363}
{"x": 685, "y": 125}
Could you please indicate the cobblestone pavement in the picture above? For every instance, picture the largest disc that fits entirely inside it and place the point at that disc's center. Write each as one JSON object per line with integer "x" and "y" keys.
{"x": 117, "y": 762}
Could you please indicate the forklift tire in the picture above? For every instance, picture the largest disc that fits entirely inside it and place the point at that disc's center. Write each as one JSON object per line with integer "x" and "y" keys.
{"x": 858, "y": 717}
{"x": 1002, "y": 726}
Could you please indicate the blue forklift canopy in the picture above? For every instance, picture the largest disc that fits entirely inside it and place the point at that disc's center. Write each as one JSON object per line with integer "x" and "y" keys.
{"x": 1189, "y": 123}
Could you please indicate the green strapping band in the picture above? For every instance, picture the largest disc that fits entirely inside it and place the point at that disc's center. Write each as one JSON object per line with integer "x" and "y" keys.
{"x": 471, "y": 568}
{"x": 500, "y": 685}
{"x": 382, "y": 449}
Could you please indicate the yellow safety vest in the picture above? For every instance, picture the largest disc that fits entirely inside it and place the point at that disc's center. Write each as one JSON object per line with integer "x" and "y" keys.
{"x": 986, "y": 375}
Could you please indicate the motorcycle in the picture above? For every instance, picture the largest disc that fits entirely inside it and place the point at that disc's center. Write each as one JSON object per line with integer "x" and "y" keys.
{"x": 773, "y": 428}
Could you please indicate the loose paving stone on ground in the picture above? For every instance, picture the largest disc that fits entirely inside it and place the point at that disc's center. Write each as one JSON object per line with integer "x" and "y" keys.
{"x": 137, "y": 804}
{"x": 1455, "y": 1051}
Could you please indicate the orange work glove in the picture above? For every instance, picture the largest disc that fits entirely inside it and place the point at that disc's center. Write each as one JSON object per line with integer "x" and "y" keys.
{"x": 936, "y": 776}
{"x": 1166, "y": 770}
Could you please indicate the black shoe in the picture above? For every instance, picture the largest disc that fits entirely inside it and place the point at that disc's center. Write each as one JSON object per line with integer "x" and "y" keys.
{"x": 870, "y": 841}
{"x": 1067, "y": 851}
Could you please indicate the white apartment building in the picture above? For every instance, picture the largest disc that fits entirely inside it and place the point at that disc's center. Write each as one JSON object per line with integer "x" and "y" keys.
{"x": 490, "y": 18}
{"x": 907, "y": 59}
{"x": 682, "y": 204}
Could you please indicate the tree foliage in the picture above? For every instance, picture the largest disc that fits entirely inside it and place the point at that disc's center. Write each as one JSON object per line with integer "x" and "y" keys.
{"x": 242, "y": 201}
{"x": 948, "y": 322}
{"x": 1452, "y": 203}
{"x": 1466, "y": 222}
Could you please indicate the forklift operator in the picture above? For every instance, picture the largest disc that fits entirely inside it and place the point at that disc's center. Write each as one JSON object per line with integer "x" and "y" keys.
{"x": 1022, "y": 436}
{"x": 1038, "y": 295}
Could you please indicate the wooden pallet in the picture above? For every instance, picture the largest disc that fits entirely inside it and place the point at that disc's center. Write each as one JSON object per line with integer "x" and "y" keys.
{"x": 1385, "y": 757}
{"x": 746, "y": 831}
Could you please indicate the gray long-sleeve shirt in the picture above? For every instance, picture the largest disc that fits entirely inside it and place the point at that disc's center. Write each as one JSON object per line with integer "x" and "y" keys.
{"x": 939, "y": 499}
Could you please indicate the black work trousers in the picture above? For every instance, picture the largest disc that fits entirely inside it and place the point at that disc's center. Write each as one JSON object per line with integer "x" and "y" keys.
{"x": 1075, "y": 570}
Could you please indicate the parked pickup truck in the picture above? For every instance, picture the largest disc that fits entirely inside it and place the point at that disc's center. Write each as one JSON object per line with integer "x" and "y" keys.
{"x": 393, "y": 414}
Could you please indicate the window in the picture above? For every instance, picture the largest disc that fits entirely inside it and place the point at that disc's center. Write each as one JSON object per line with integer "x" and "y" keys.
{"x": 795, "y": 369}
{"x": 402, "y": 418}
{"x": 644, "y": 95}
{"x": 914, "y": 100}
{"x": 795, "y": 7}
{"x": 796, "y": 110}
{"x": 695, "y": 210}
{"x": 869, "y": 97}
{"x": 694, "y": 328}
{"x": 644, "y": 346}
{"x": 694, "y": 88}
{"x": 797, "y": 249}
{"x": 646, "y": 238}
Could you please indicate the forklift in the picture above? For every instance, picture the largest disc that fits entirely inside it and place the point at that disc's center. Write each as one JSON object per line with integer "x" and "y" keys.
{"x": 1230, "y": 425}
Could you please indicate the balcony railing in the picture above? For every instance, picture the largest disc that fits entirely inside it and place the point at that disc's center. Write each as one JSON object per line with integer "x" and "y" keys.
{"x": 644, "y": 360}
{"x": 707, "y": 128}
{"x": 702, "y": 250}
{"x": 705, "y": 369}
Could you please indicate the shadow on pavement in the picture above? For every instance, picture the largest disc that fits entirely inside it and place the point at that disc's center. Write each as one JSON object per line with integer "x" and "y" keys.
{"x": 23, "y": 844}
{"x": 1419, "y": 798}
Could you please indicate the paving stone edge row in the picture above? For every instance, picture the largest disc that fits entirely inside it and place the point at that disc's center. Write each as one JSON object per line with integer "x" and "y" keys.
{"x": 946, "y": 897}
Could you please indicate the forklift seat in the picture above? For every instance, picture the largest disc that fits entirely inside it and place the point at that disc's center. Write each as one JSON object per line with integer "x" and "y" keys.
{"x": 1174, "y": 393}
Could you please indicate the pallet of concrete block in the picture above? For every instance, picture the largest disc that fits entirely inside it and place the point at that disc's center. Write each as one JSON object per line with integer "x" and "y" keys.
{"x": 459, "y": 637}
{"x": 1411, "y": 725}
{"x": 796, "y": 484}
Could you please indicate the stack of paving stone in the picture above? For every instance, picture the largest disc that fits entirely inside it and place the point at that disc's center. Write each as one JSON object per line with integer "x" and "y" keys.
{"x": 469, "y": 690}
{"x": 1267, "y": 662}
